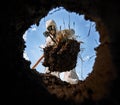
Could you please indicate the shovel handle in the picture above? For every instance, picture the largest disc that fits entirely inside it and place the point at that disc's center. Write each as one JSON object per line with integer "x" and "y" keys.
{"x": 38, "y": 62}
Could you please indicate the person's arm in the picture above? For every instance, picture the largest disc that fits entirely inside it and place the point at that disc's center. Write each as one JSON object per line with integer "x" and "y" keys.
{"x": 49, "y": 41}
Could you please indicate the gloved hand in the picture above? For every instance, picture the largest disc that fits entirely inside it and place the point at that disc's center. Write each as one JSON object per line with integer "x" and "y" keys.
{"x": 46, "y": 33}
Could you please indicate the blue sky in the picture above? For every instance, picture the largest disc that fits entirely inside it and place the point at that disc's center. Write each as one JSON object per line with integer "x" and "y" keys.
{"x": 34, "y": 39}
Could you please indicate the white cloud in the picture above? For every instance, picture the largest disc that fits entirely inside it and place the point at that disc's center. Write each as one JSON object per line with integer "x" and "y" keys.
{"x": 86, "y": 58}
{"x": 33, "y": 29}
{"x": 25, "y": 35}
{"x": 25, "y": 56}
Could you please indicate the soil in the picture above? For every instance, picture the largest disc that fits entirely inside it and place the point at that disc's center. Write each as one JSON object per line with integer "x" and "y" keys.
{"x": 62, "y": 57}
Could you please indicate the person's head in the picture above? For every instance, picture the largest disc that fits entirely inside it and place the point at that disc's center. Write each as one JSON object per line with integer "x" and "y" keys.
{"x": 51, "y": 26}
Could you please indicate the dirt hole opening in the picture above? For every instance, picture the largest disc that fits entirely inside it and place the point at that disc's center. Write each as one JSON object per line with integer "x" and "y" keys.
{"x": 85, "y": 31}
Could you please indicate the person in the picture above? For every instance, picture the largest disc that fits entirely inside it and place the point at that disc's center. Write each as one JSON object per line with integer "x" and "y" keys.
{"x": 51, "y": 39}
{"x": 50, "y": 35}
{"x": 71, "y": 76}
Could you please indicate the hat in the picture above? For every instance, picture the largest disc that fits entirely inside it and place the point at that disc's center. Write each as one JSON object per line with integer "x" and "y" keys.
{"x": 50, "y": 23}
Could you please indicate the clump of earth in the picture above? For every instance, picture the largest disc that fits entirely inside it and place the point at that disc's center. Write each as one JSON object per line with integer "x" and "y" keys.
{"x": 62, "y": 57}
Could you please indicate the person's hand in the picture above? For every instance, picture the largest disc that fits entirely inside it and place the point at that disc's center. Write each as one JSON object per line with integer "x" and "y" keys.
{"x": 46, "y": 33}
